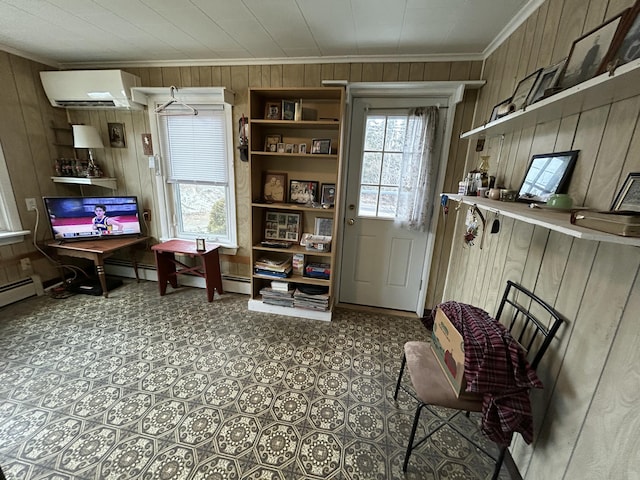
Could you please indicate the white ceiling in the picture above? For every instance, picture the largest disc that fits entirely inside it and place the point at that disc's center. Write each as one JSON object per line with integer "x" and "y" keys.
{"x": 75, "y": 33}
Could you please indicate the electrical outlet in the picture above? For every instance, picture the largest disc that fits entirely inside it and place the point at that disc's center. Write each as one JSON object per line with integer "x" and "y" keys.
{"x": 25, "y": 263}
{"x": 31, "y": 204}
{"x": 146, "y": 214}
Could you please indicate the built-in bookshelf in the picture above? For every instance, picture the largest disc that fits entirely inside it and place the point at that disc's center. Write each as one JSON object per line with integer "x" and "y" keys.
{"x": 304, "y": 125}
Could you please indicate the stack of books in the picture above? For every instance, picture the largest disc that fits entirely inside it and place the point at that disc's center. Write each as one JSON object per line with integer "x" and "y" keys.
{"x": 277, "y": 297}
{"x": 278, "y": 268}
{"x": 318, "y": 270}
{"x": 311, "y": 301}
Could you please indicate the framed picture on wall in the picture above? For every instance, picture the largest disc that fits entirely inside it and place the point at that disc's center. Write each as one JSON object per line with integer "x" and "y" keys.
{"x": 524, "y": 89}
{"x": 588, "y": 52}
{"x": 546, "y": 83}
{"x": 116, "y": 135}
{"x": 628, "y": 198}
{"x": 625, "y": 45}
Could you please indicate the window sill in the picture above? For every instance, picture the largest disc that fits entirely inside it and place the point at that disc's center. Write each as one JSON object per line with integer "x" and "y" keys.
{"x": 7, "y": 238}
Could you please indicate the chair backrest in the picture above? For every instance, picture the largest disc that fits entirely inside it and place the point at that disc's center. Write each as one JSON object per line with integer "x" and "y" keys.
{"x": 527, "y": 329}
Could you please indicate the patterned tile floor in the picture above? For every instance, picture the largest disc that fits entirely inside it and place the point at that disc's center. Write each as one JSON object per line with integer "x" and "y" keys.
{"x": 141, "y": 387}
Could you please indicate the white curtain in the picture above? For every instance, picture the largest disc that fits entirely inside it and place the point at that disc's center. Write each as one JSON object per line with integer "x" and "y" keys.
{"x": 419, "y": 170}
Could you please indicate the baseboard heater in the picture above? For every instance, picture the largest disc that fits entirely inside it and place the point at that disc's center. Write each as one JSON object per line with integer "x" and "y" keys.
{"x": 20, "y": 289}
{"x": 124, "y": 268}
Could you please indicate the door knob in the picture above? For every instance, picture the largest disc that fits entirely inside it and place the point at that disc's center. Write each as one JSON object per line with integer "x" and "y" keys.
{"x": 351, "y": 221}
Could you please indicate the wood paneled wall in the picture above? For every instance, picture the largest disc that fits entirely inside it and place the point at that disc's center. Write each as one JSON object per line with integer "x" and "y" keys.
{"x": 586, "y": 416}
{"x": 131, "y": 167}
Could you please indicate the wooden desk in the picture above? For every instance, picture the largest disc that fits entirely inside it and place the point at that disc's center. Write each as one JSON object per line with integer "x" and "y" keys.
{"x": 166, "y": 264}
{"x": 98, "y": 250}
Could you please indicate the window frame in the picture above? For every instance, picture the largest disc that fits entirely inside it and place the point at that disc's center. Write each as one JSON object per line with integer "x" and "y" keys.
{"x": 165, "y": 190}
{"x": 10, "y": 226}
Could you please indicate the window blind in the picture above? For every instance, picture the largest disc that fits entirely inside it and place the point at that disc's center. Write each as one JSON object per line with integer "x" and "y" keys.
{"x": 196, "y": 146}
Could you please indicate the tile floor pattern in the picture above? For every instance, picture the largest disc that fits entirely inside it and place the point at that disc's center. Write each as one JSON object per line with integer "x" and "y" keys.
{"x": 141, "y": 387}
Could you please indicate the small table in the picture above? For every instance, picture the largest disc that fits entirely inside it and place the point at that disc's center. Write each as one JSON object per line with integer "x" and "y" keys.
{"x": 98, "y": 250}
{"x": 166, "y": 264}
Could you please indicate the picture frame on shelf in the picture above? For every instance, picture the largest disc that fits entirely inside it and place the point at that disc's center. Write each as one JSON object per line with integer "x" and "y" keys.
{"x": 628, "y": 197}
{"x": 282, "y": 226}
{"x": 272, "y": 111}
{"x": 280, "y": 147}
{"x": 271, "y": 142}
{"x": 116, "y": 135}
{"x": 321, "y": 146}
{"x": 288, "y": 148}
{"x": 288, "y": 110}
{"x": 323, "y": 226}
{"x": 587, "y": 54}
{"x": 274, "y": 187}
{"x": 524, "y": 89}
{"x": 502, "y": 109}
{"x": 548, "y": 173}
{"x": 547, "y": 81}
{"x": 303, "y": 148}
{"x": 625, "y": 46}
{"x": 303, "y": 191}
{"x": 328, "y": 194}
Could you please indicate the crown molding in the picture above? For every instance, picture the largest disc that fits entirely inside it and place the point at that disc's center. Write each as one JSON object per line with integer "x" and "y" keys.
{"x": 521, "y": 17}
{"x": 278, "y": 61}
{"x": 29, "y": 56}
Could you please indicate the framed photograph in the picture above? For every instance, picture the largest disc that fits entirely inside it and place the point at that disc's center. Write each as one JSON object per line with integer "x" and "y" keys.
{"x": 628, "y": 198}
{"x": 280, "y": 147}
{"x": 116, "y": 135}
{"x": 548, "y": 173}
{"x": 323, "y": 226}
{"x": 321, "y": 145}
{"x": 303, "y": 191}
{"x": 502, "y": 109}
{"x": 588, "y": 53}
{"x": 524, "y": 89}
{"x": 303, "y": 148}
{"x": 274, "y": 187}
{"x": 288, "y": 110}
{"x": 546, "y": 82}
{"x": 283, "y": 226}
{"x": 271, "y": 143}
{"x": 328, "y": 194}
{"x": 272, "y": 111}
{"x": 288, "y": 148}
{"x": 625, "y": 45}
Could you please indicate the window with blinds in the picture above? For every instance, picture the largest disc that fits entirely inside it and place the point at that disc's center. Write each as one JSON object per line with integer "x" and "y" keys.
{"x": 198, "y": 171}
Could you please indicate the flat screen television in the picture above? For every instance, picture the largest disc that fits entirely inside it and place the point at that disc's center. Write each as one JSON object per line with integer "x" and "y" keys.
{"x": 85, "y": 218}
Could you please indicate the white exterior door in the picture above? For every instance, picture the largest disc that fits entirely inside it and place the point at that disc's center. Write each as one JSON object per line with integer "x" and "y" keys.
{"x": 382, "y": 264}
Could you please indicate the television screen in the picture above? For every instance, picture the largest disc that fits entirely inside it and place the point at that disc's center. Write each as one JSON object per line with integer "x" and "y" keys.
{"x": 82, "y": 218}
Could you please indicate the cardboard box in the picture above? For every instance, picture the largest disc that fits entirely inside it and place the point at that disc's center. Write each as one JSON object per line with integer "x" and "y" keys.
{"x": 448, "y": 345}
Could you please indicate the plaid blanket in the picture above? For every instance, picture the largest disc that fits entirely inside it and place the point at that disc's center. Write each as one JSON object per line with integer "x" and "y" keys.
{"x": 495, "y": 366}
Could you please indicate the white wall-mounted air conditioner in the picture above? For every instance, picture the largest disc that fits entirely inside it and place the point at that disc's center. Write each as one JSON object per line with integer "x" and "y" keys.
{"x": 92, "y": 89}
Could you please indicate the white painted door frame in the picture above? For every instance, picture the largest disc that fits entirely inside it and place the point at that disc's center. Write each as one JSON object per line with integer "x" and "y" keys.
{"x": 454, "y": 90}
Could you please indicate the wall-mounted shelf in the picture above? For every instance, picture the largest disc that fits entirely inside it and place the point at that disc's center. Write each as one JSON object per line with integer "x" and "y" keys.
{"x": 556, "y": 221}
{"x": 596, "y": 92}
{"x": 105, "y": 182}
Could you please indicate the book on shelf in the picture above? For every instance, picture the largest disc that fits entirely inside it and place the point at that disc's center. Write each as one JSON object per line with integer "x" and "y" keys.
{"x": 272, "y": 273}
{"x": 274, "y": 265}
{"x": 318, "y": 270}
{"x": 281, "y": 286}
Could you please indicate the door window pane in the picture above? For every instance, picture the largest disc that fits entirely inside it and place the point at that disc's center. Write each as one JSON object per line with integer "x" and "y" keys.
{"x": 368, "y": 201}
{"x": 371, "y": 164}
{"x": 388, "y": 202}
{"x": 391, "y": 169}
{"x": 374, "y": 133}
{"x": 381, "y": 165}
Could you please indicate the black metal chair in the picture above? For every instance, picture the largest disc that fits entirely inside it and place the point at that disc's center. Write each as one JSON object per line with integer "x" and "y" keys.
{"x": 430, "y": 387}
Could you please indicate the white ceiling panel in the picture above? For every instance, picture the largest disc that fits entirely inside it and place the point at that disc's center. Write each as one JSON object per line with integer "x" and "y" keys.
{"x": 72, "y": 33}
